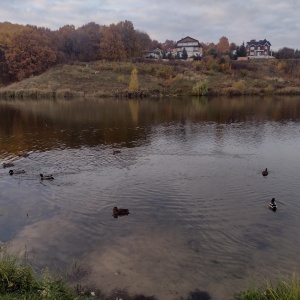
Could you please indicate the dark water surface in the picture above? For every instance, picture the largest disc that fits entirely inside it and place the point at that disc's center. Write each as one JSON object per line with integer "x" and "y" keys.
{"x": 190, "y": 173}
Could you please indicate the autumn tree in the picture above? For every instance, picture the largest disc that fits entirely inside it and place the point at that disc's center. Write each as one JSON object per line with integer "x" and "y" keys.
{"x": 232, "y": 47}
{"x": 285, "y": 53}
{"x": 155, "y": 44}
{"x": 112, "y": 47}
{"x": 168, "y": 44}
{"x": 143, "y": 41}
{"x": 129, "y": 38}
{"x": 90, "y": 49}
{"x": 29, "y": 53}
{"x": 209, "y": 48}
{"x": 8, "y": 30}
{"x": 3, "y": 66}
{"x": 67, "y": 34}
{"x": 223, "y": 45}
{"x": 134, "y": 83}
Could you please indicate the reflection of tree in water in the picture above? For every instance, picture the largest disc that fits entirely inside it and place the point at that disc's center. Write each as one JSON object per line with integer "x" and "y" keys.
{"x": 198, "y": 295}
{"x": 121, "y": 294}
{"x": 125, "y": 295}
{"x": 127, "y": 123}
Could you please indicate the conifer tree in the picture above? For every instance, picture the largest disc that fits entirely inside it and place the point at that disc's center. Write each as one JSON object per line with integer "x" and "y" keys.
{"x": 241, "y": 52}
{"x": 184, "y": 54}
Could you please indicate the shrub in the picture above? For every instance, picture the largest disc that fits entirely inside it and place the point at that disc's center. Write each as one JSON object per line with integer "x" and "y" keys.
{"x": 121, "y": 78}
{"x": 269, "y": 89}
{"x": 243, "y": 73}
{"x": 240, "y": 86}
{"x": 200, "y": 88}
{"x": 282, "y": 66}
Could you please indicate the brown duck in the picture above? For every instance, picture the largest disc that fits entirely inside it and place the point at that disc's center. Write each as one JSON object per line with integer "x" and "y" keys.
{"x": 7, "y": 165}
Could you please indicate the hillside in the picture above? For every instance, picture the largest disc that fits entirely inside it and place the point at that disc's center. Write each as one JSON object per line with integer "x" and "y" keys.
{"x": 161, "y": 78}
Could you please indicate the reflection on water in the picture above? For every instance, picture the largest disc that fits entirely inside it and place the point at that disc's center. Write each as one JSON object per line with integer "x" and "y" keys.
{"x": 189, "y": 170}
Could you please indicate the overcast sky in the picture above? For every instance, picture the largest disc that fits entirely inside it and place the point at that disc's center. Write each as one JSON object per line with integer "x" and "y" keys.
{"x": 278, "y": 21}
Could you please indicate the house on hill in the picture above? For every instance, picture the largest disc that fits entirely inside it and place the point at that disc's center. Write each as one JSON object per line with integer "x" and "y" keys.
{"x": 153, "y": 53}
{"x": 192, "y": 47}
{"x": 258, "y": 49}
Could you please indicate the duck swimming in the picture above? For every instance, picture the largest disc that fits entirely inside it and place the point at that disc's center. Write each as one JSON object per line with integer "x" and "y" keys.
{"x": 116, "y": 152}
{"x": 117, "y": 212}
{"x": 265, "y": 172}
{"x": 12, "y": 172}
{"x": 7, "y": 165}
{"x": 46, "y": 177}
{"x": 273, "y": 205}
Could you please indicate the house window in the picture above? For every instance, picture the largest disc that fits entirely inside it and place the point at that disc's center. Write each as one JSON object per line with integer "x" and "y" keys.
{"x": 252, "y": 48}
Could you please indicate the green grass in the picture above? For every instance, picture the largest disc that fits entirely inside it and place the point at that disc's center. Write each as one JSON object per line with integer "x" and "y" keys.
{"x": 19, "y": 280}
{"x": 287, "y": 288}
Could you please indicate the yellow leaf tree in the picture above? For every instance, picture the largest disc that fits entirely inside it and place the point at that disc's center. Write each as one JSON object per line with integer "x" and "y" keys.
{"x": 134, "y": 82}
{"x": 223, "y": 45}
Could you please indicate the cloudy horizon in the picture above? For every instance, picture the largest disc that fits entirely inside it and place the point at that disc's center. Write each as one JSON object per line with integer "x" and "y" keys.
{"x": 206, "y": 21}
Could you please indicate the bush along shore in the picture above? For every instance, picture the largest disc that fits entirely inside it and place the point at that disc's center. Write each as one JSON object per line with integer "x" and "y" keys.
{"x": 19, "y": 280}
{"x": 160, "y": 78}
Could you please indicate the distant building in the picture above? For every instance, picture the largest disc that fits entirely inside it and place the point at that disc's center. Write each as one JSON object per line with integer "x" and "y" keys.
{"x": 258, "y": 49}
{"x": 153, "y": 53}
{"x": 192, "y": 47}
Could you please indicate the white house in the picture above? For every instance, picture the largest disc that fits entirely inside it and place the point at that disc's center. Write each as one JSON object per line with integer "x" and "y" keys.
{"x": 192, "y": 47}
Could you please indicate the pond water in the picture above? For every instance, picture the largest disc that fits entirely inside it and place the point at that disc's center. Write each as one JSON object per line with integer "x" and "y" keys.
{"x": 190, "y": 173}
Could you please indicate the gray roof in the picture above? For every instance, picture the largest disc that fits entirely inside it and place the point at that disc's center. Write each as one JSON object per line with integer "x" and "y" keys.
{"x": 258, "y": 43}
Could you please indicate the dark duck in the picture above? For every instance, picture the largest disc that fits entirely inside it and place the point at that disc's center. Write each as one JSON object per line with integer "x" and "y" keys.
{"x": 46, "y": 177}
{"x": 265, "y": 172}
{"x": 118, "y": 212}
{"x": 116, "y": 152}
{"x": 273, "y": 205}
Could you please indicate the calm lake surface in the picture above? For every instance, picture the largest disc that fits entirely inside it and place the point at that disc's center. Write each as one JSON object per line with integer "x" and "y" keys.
{"x": 190, "y": 173}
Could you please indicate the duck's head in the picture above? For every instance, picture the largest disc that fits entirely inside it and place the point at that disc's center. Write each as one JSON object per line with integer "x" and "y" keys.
{"x": 273, "y": 200}
{"x": 11, "y": 172}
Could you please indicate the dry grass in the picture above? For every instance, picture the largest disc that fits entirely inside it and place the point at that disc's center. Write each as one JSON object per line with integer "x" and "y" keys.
{"x": 156, "y": 78}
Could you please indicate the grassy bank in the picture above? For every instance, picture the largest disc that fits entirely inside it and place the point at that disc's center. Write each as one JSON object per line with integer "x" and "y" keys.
{"x": 19, "y": 280}
{"x": 287, "y": 288}
{"x": 161, "y": 78}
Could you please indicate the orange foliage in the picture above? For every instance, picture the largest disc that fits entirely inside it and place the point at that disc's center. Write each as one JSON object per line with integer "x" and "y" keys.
{"x": 29, "y": 53}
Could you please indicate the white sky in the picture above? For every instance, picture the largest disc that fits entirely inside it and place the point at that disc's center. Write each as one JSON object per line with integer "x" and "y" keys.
{"x": 205, "y": 20}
